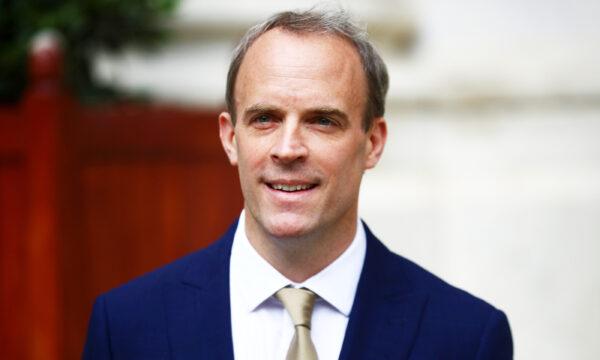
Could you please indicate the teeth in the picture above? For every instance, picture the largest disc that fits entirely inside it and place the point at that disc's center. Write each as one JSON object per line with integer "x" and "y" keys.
{"x": 290, "y": 188}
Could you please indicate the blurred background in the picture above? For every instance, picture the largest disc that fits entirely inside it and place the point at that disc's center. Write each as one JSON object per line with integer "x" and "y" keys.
{"x": 110, "y": 163}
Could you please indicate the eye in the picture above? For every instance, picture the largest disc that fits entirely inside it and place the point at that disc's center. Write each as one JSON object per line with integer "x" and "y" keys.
{"x": 263, "y": 121}
{"x": 323, "y": 121}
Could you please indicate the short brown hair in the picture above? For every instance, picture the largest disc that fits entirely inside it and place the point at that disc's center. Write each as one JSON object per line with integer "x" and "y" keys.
{"x": 336, "y": 23}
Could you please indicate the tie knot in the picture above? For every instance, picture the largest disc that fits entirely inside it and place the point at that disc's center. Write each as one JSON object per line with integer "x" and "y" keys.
{"x": 298, "y": 303}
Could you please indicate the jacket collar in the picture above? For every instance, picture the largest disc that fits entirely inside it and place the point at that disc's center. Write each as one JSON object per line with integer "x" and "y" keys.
{"x": 383, "y": 322}
{"x": 386, "y": 313}
{"x": 198, "y": 314}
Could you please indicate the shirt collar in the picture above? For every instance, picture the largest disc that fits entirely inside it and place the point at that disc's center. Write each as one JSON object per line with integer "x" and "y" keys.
{"x": 256, "y": 280}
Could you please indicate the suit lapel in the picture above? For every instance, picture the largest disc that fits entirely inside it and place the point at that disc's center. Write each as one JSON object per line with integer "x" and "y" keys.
{"x": 197, "y": 308}
{"x": 386, "y": 312}
{"x": 383, "y": 322}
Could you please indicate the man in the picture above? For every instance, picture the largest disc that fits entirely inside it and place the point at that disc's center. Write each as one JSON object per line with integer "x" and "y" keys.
{"x": 298, "y": 276}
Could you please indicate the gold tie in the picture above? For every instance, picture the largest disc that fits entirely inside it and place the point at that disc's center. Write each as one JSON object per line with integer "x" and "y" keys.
{"x": 299, "y": 304}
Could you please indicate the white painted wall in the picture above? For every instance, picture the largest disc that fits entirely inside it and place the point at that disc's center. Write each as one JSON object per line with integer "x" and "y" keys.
{"x": 505, "y": 205}
{"x": 491, "y": 177}
{"x": 501, "y": 198}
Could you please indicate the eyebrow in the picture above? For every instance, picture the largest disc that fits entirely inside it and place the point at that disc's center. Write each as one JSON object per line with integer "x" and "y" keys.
{"x": 260, "y": 108}
{"x": 329, "y": 111}
{"x": 322, "y": 110}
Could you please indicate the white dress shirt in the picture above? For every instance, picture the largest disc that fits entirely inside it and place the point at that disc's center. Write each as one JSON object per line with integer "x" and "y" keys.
{"x": 261, "y": 327}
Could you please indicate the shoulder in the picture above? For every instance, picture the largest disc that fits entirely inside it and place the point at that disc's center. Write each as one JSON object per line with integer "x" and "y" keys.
{"x": 398, "y": 271}
{"x": 133, "y": 318}
{"x": 452, "y": 320}
{"x": 193, "y": 268}
{"x": 465, "y": 322}
{"x": 440, "y": 293}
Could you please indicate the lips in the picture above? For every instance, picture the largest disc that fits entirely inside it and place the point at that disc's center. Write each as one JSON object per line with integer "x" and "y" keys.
{"x": 290, "y": 187}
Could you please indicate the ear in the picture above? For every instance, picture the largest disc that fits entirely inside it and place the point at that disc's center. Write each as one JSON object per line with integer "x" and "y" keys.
{"x": 227, "y": 134}
{"x": 377, "y": 137}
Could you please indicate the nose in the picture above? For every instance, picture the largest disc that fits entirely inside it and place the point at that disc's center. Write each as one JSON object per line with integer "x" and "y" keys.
{"x": 289, "y": 144}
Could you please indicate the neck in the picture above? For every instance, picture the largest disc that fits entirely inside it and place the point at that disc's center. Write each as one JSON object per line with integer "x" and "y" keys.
{"x": 299, "y": 258}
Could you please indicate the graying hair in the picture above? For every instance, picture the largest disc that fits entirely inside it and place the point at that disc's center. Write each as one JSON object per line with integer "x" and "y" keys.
{"x": 337, "y": 23}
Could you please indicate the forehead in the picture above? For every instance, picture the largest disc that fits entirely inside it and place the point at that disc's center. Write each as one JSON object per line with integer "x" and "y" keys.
{"x": 304, "y": 67}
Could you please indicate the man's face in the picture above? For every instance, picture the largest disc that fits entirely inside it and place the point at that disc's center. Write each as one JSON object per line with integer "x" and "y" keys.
{"x": 298, "y": 140}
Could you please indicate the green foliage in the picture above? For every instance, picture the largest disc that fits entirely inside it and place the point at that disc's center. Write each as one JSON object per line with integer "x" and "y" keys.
{"x": 86, "y": 26}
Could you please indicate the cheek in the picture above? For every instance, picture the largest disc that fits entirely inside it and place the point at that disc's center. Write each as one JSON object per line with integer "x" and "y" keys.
{"x": 246, "y": 168}
{"x": 346, "y": 163}
{"x": 252, "y": 158}
{"x": 354, "y": 158}
{"x": 249, "y": 152}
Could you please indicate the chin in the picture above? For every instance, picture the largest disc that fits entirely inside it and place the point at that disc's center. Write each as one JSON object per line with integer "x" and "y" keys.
{"x": 288, "y": 226}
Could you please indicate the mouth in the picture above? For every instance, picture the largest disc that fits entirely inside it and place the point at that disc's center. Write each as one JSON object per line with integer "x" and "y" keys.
{"x": 291, "y": 187}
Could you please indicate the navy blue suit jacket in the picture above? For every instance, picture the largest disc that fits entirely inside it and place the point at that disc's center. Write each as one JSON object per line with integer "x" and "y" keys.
{"x": 401, "y": 311}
